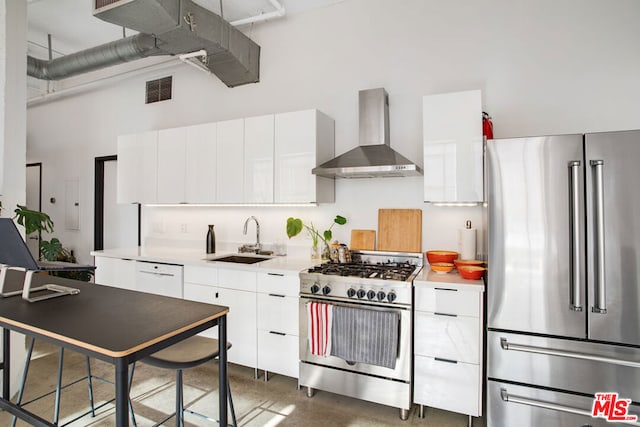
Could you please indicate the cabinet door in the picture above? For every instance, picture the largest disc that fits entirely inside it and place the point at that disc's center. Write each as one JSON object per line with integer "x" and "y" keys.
{"x": 137, "y": 168}
{"x": 171, "y": 165}
{"x": 450, "y": 386}
{"x": 449, "y": 337}
{"x": 119, "y": 273}
{"x": 202, "y": 293}
{"x": 278, "y": 313}
{"x": 241, "y": 325}
{"x": 295, "y": 157}
{"x": 258, "y": 159}
{"x": 200, "y": 178}
{"x": 453, "y": 147}
{"x": 230, "y": 161}
{"x": 278, "y": 353}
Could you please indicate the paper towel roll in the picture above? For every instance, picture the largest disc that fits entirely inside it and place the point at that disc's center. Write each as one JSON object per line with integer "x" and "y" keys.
{"x": 467, "y": 243}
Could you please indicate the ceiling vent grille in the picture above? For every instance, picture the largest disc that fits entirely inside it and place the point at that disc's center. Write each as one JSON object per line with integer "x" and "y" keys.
{"x": 158, "y": 90}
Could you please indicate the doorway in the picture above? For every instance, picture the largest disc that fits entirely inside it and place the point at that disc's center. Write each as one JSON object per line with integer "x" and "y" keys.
{"x": 34, "y": 202}
{"x": 116, "y": 225}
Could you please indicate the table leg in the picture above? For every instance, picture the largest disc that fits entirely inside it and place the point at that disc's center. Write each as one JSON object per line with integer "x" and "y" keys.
{"x": 6, "y": 362}
{"x": 222, "y": 372}
{"x": 122, "y": 393}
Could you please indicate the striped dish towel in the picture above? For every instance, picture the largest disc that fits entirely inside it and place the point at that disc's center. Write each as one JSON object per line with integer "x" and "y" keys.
{"x": 319, "y": 317}
{"x": 365, "y": 336}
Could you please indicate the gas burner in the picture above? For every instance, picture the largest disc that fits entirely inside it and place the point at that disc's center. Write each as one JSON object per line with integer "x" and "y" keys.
{"x": 382, "y": 271}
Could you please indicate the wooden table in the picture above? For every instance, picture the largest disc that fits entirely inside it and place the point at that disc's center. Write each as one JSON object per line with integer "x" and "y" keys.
{"x": 111, "y": 324}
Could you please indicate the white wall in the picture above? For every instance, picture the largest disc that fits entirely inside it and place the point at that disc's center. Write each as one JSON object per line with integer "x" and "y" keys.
{"x": 13, "y": 92}
{"x": 544, "y": 67}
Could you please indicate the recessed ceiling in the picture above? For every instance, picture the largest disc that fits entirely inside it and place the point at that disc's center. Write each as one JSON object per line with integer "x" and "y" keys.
{"x": 73, "y": 27}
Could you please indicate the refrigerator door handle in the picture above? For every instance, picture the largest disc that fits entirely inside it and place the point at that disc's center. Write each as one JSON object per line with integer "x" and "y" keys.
{"x": 506, "y": 345}
{"x": 599, "y": 306}
{"x": 588, "y": 412}
{"x": 575, "y": 302}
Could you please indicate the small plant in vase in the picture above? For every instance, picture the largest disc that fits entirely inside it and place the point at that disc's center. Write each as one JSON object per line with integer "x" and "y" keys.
{"x": 295, "y": 226}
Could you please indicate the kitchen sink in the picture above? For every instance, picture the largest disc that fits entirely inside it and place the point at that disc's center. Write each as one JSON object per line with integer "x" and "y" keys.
{"x": 240, "y": 259}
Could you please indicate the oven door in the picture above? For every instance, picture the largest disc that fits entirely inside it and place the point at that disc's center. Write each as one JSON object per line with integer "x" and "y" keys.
{"x": 402, "y": 369}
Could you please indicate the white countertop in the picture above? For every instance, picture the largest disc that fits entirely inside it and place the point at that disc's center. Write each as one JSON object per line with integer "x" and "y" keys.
{"x": 198, "y": 257}
{"x": 453, "y": 280}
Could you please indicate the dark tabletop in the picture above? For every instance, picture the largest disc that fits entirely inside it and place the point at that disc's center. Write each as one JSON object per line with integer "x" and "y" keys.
{"x": 109, "y": 321}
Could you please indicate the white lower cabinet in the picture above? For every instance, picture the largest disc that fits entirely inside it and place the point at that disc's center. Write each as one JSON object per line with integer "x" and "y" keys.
{"x": 213, "y": 286}
{"x": 278, "y": 323}
{"x": 447, "y": 347}
{"x": 116, "y": 272}
{"x": 159, "y": 279}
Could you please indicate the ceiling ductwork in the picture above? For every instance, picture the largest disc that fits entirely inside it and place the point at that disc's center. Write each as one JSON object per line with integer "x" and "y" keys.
{"x": 167, "y": 27}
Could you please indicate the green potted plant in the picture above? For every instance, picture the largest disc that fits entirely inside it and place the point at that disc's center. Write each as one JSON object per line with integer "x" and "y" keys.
{"x": 51, "y": 250}
{"x": 295, "y": 226}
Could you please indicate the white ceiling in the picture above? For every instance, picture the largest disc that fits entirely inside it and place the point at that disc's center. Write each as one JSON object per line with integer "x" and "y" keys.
{"x": 73, "y": 27}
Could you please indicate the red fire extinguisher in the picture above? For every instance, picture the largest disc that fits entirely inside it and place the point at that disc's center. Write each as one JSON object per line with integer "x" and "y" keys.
{"x": 487, "y": 126}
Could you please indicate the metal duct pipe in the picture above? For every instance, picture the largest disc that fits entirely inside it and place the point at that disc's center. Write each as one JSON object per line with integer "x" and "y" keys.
{"x": 95, "y": 58}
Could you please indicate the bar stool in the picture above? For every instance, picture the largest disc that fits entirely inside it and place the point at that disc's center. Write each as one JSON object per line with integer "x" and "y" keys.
{"x": 186, "y": 354}
{"x": 59, "y": 387}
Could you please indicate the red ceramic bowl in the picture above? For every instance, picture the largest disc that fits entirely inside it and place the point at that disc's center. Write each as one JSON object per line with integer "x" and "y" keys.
{"x": 470, "y": 262}
{"x": 441, "y": 256}
{"x": 471, "y": 272}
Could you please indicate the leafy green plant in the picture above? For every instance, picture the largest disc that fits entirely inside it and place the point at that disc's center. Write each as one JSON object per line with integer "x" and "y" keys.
{"x": 295, "y": 226}
{"x": 33, "y": 220}
{"x": 51, "y": 250}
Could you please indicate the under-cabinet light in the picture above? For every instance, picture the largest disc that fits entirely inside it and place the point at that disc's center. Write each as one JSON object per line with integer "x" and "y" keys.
{"x": 228, "y": 205}
{"x": 455, "y": 203}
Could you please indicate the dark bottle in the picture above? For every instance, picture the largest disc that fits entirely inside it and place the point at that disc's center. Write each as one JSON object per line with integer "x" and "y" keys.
{"x": 211, "y": 240}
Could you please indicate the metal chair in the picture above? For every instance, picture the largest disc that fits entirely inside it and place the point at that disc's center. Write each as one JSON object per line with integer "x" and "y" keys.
{"x": 59, "y": 387}
{"x": 186, "y": 354}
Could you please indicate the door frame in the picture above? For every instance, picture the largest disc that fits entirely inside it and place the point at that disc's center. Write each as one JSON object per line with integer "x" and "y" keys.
{"x": 98, "y": 211}
{"x": 39, "y": 165}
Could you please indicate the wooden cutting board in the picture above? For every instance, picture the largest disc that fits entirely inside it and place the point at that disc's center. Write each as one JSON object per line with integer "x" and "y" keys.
{"x": 363, "y": 240}
{"x": 400, "y": 230}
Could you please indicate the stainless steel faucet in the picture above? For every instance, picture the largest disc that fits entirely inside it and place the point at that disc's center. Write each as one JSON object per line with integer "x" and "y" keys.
{"x": 257, "y": 246}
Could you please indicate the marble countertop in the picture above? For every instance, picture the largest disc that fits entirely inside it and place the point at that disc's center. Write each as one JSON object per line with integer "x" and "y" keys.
{"x": 428, "y": 277}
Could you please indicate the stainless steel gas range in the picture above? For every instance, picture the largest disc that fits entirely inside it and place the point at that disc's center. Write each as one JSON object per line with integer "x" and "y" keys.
{"x": 356, "y": 327}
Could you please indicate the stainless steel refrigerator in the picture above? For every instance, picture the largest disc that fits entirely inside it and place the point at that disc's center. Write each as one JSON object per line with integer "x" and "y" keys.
{"x": 563, "y": 293}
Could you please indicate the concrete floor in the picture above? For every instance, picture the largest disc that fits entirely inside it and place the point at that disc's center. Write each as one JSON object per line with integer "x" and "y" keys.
{"x": 276, "y": 402}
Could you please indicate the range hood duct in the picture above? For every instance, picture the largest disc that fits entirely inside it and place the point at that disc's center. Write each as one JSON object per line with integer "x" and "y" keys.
{"x": 373, "y": 157}
{"x": 167, "y": 27}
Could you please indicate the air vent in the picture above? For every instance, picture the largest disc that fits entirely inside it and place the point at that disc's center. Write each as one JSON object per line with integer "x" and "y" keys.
{"x": 159, "y": 90}
{"x": 103, "y": 3}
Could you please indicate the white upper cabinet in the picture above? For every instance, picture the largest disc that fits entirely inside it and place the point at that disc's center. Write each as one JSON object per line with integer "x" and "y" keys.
{"x": 200, "y": 174}
{"x": 137, "y": 168}
{"x": 258, "y": 159}
{"x": 453, "y": 147}
{"x": 303, "y": 140}
{"x": 230, "y": 161}
{"x": 172, "y": 149}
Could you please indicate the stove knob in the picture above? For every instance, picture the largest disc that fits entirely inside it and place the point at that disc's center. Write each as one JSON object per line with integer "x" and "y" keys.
{"x": 326, "y": 290}
{"x": 391, "y": 297}
{"x": 361, "y": 293}
{"x": 381, "y": 295}
{"x": 351, "y": 292}
{"x": 371, "y": 294}
{"x": 315, "y": 288}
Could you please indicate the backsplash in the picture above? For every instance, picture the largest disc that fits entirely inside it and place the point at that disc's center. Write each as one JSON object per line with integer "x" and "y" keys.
{"x": 357, "y": 200}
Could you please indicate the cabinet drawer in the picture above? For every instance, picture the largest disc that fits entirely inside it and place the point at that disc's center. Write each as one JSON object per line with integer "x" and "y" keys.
{"x": 448, "y": 301}
{"x": 237, "y": 279}
{"x": 279, "y": 283}
{"x": 202, "y": 275}
{"x": 455, "y": 338}
{"x": 278, "y": 353}
{"x": 449, "y": 386}
{"x": 278, "y": 313}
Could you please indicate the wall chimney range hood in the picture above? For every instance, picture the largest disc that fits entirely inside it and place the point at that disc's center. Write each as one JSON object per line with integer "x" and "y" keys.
{"x": 373, "y": 158}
